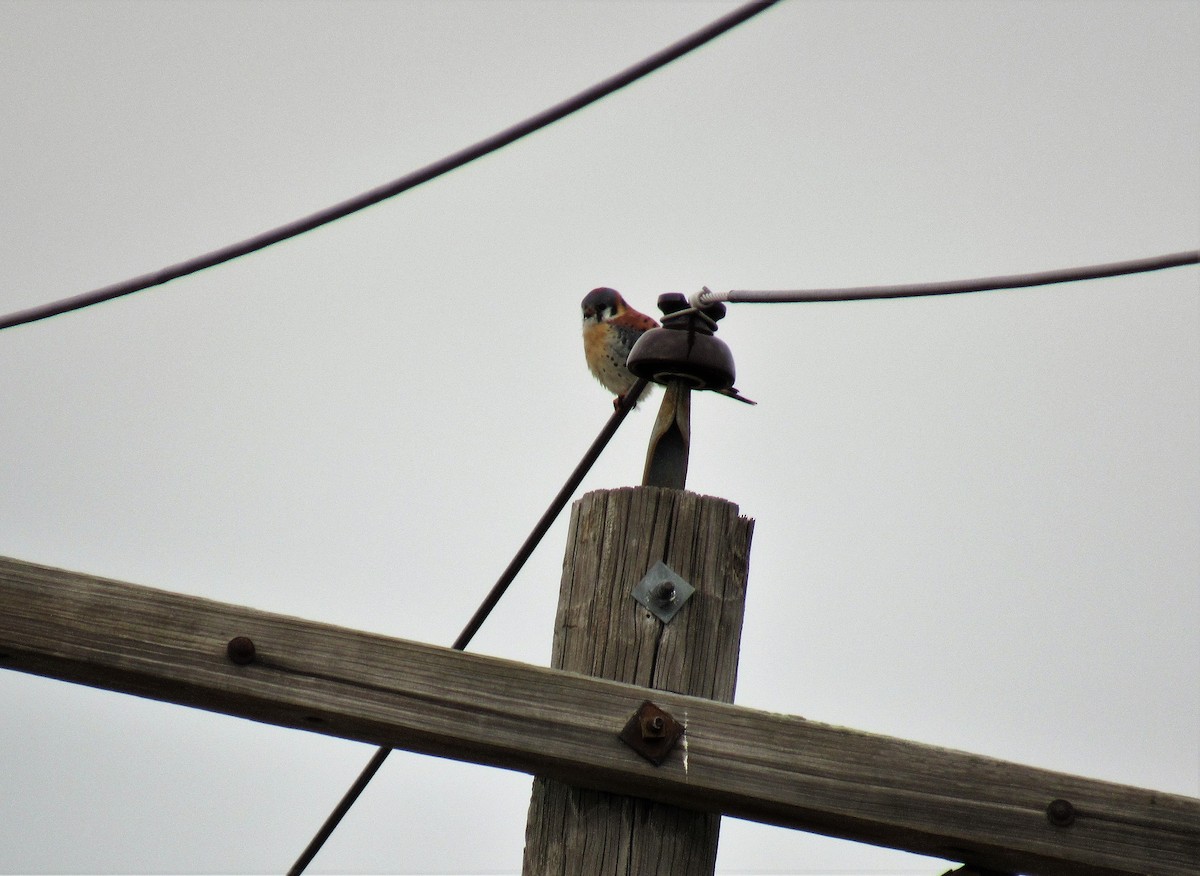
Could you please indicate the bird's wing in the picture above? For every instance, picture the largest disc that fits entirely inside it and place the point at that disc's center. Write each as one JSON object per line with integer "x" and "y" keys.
{"x": 636, "y": 320}
{"x": 627, "y": 335}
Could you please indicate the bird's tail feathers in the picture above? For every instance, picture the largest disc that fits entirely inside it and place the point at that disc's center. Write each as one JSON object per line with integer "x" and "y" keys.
{"x": 733, "y": 393}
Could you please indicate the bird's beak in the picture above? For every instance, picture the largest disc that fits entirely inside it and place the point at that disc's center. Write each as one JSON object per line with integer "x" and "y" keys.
{"x": 588, "y": 312}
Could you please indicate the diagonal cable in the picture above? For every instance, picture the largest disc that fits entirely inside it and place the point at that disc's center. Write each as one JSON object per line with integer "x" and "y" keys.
{"x": 485, "y": 608}
{"x": 404, "y": 183}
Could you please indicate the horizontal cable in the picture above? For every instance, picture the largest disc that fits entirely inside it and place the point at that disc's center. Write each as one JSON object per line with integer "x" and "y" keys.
{"x": 388, "y": 190}
{"x": 706, "y": 297}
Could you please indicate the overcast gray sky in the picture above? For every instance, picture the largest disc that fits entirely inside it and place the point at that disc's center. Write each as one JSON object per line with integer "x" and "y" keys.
{"x": 978, "y": 517}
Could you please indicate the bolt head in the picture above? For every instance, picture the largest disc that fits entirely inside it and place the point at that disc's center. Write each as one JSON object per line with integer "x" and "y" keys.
{"x": 1061, "y": 813}
{"x": 652, "y": 733}
{"x": 653, "y": 728}
{"x": 240, "y": 650}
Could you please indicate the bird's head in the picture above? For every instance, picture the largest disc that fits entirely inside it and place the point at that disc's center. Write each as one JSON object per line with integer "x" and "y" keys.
{"x": 602, "y": 305}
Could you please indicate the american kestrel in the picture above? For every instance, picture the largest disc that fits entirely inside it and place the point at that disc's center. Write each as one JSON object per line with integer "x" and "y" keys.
{"x": 610, "y": 329}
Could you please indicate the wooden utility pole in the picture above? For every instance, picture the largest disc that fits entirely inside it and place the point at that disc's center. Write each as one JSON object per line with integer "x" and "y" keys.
{"x": 616, "y": 537}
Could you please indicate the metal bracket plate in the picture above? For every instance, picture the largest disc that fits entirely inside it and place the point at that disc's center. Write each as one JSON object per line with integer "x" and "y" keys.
{"x": 652, "y": 732}
{"x": 663, "y": 592}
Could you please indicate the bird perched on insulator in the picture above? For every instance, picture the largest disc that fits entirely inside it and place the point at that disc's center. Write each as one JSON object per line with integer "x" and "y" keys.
{"x": 610, "y": 329}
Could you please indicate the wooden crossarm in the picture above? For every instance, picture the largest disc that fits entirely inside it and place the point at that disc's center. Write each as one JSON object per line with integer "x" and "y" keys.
{"x": 742, "y": 762}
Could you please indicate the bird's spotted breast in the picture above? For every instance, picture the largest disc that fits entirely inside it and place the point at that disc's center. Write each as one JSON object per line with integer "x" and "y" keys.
{"x": 606, "y": 352}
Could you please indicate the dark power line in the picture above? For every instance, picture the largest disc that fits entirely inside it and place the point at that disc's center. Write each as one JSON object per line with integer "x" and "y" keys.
{"x": 404, "y": 183}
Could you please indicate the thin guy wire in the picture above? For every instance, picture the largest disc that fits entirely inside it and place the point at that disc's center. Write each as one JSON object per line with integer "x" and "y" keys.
{"x": 706, "y": 297}
{"x": 485, "y": 608}
{"x": 403, "y": 184}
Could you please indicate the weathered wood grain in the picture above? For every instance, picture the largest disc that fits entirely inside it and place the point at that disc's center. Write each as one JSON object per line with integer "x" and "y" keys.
{"x": 614, "y": 538}
{"x": 750, "y": 764}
